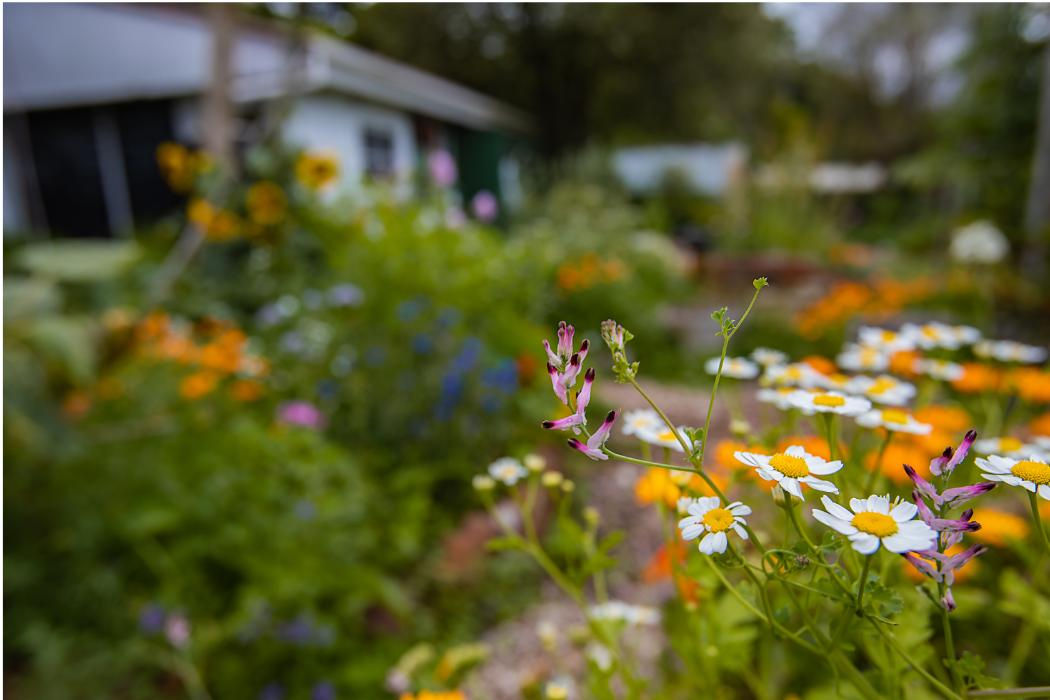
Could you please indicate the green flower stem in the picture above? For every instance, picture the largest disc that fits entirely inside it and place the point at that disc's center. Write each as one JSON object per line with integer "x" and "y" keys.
{"x": 829, "y": 430}
{"x": 789, "y": 506}
{"x": 1033, "y": 501}
{"x": 949, "y": 643}
{"x": 876, "y": 470}
{"x": 1041, "y": 691}
{"x": 646, "y": 462}
{"x": 941, "y": 687}
{"x": 788, "y": 634}
{"x": 861, "y": 583}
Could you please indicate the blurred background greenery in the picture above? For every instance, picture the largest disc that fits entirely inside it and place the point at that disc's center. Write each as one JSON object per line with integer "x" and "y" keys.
{"x": 240, "y": 433}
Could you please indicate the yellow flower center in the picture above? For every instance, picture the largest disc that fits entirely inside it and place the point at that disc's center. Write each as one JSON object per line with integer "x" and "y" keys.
{"x": 888, "y": 336}
{"x": 793, "y": 373}
{"x": 875, "y": 524}
{"x": 828, "y": 400}
{"x": 666, "y": 436}
{"x": 789, "y": 465}
{"x": 1036, "y": 472}
{"x": 930, "y": 331}
{"x": 1010, "y": 444}
{"x": 881, "y": 385}
{"x": 892, "y": 415}
{"x": 718, "y": 519}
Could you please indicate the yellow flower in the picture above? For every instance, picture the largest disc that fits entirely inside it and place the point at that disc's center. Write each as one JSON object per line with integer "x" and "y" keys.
{"x": 216, "y": 224}
{"x": 266, "y": 203}
{"x": 198, "y": 384}
{"x": 316, "y": 170}
{"x": 998, "y": 527}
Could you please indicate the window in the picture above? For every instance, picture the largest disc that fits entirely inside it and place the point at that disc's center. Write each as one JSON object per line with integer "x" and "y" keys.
{"x": 379, "y": 153}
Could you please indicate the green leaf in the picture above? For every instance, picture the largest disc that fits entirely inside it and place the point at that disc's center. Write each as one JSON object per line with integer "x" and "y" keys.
{"x": 79, "y": 261}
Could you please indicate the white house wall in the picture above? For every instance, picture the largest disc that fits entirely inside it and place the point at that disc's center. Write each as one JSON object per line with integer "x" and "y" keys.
{"x": 337, "y": 124}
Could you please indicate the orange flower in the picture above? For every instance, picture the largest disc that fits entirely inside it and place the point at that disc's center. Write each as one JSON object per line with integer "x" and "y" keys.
{"x": 977, "y": 377}
{"x": 1040, "y": 425}
{"x": 246, "y": 390}
{"x": 725, "y": 451}
{"x": 894, "y": 459}
{"x": 220, "y": 358}
{"x": 949, "y": 419}
{"x": 999, "y": 527}
{"x": 198, "y": 384}
{"x": 659, "y": 566}
{"x": 656, "y": 486}
{"x": 76, "y": 404}
{"x": 903, "y": 362}
{"x": 961, "y": 574}
{"x": 434, "y": 695}
{"x": 821, "y": 364}
{"x": 696, "y": 486}
{"x": 1032, "y": 385}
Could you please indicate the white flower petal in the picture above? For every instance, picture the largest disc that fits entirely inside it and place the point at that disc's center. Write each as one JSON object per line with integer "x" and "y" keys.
{"x": 904, "y": 511}
{"x": 714, "y": 542}
{"x": 836, "y": 510}
{"x": 837, "y": 524}
{"x": 820, "y": 467}
{"x": 865, "y": 543}
{"x": 791, "y": 486}
{"x": 820, "y": 484}
{"x": 859, "y": 505}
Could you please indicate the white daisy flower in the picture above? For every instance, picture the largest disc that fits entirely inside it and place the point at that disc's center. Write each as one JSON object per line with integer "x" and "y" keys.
{"x": 734, "y": 367}
{"x": 837, "y": 382}
{"x": 624, "y": 612}
{"x": 884, "y": 340}
{"x": 940, "y": 335}
{"x": 796, "y": 374}
{"x": 642, "y": 420}
{"x": 768, "y": 357}
{"x": 483, "y": 482}
{"x": 861, "y": 358}
{"x": 507, "y": 470}
{"x": 792, "y": 467}
{"x": 1031, "y": 473}
{"x": 1010, "y": 351}
{"x": 1009, "y": 446}
{"x": 778, "y": 396}
{"x": 664, "y": 437}
{"x": 883, "y": 389}
{"x": 873, "y": 522}
{"x": 895, "y": 420}
{"x": 940, "y": 369}
{"x": 829, "y": 402}
{"x": 707, "y": 515}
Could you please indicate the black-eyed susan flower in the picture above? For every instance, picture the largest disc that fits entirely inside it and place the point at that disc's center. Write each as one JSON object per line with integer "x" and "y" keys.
{"x": 266, "y": 203}
{"x": 708, "y": 517}
{"x": 316, "y": 170}
{"x": 877, "y": 521}
{"x": 792, "y": 468}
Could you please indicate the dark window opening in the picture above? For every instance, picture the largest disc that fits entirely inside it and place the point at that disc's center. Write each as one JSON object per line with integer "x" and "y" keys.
{"x": 379, "y": 153}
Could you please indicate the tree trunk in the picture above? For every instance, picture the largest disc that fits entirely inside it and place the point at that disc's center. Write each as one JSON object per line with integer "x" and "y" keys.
{"x": 1037, "y": 210}
{"x": 218, "y": 121}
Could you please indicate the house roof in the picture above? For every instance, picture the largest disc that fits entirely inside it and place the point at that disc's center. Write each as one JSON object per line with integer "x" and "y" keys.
{"x": 63, "y": 55}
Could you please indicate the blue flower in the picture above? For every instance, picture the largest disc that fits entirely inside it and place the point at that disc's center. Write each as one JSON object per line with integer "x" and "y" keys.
{"x": 151, "y": 618}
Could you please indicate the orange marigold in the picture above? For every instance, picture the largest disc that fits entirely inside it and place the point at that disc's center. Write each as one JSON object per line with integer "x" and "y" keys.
{"x": 656, "y": 486}
{"x": 246, "y": 390}
{"x": 949, "y": 419}
{"x": 977, "y": 377}
{"x": 999, "y": 527}
{"x": 1040, "y": 425}
{"x": 198, "y": 384}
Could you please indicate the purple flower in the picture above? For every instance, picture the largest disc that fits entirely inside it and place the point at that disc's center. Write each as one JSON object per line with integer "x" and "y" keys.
{"x": 952, "y": 498}
{"x": 345, "y": 295}
{"x": 272, "y": 691}
{"x": 177, "y": 630}
{"x": 583, "y": 397}
{"x": 963, "y": 524}
{"x": 151, "y": 618}
{"x": 301, "y": 413}
{"x": 442, "y": 168}
{"x": 323, "y": 691}
{"x": 564, "y": 365}
{"x": 593, "y": 448}
{"x": 485, "y": 206}
{"x": 946, "y": 463}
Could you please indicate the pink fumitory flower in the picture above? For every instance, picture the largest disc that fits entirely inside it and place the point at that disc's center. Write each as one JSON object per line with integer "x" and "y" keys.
{"x": 935, "y": 563}
{"x": 300, "y": 413}
{"x": 442, "y": 168}
{"x": 485, "y": 206}
{"x": 583, "y": 397}
{"x": 593, "y": 447}
{"x": 564, "y": 365}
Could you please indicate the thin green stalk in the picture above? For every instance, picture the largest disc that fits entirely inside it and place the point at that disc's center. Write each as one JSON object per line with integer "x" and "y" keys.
{"x": 1033, "y": 501}
{"x": 877, "y": 468}
{"x": 949, "y": 644}
{"x": 1041, "y": 691}
{"x": 945, "y": 690}
{"x": 862, "y": 583}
